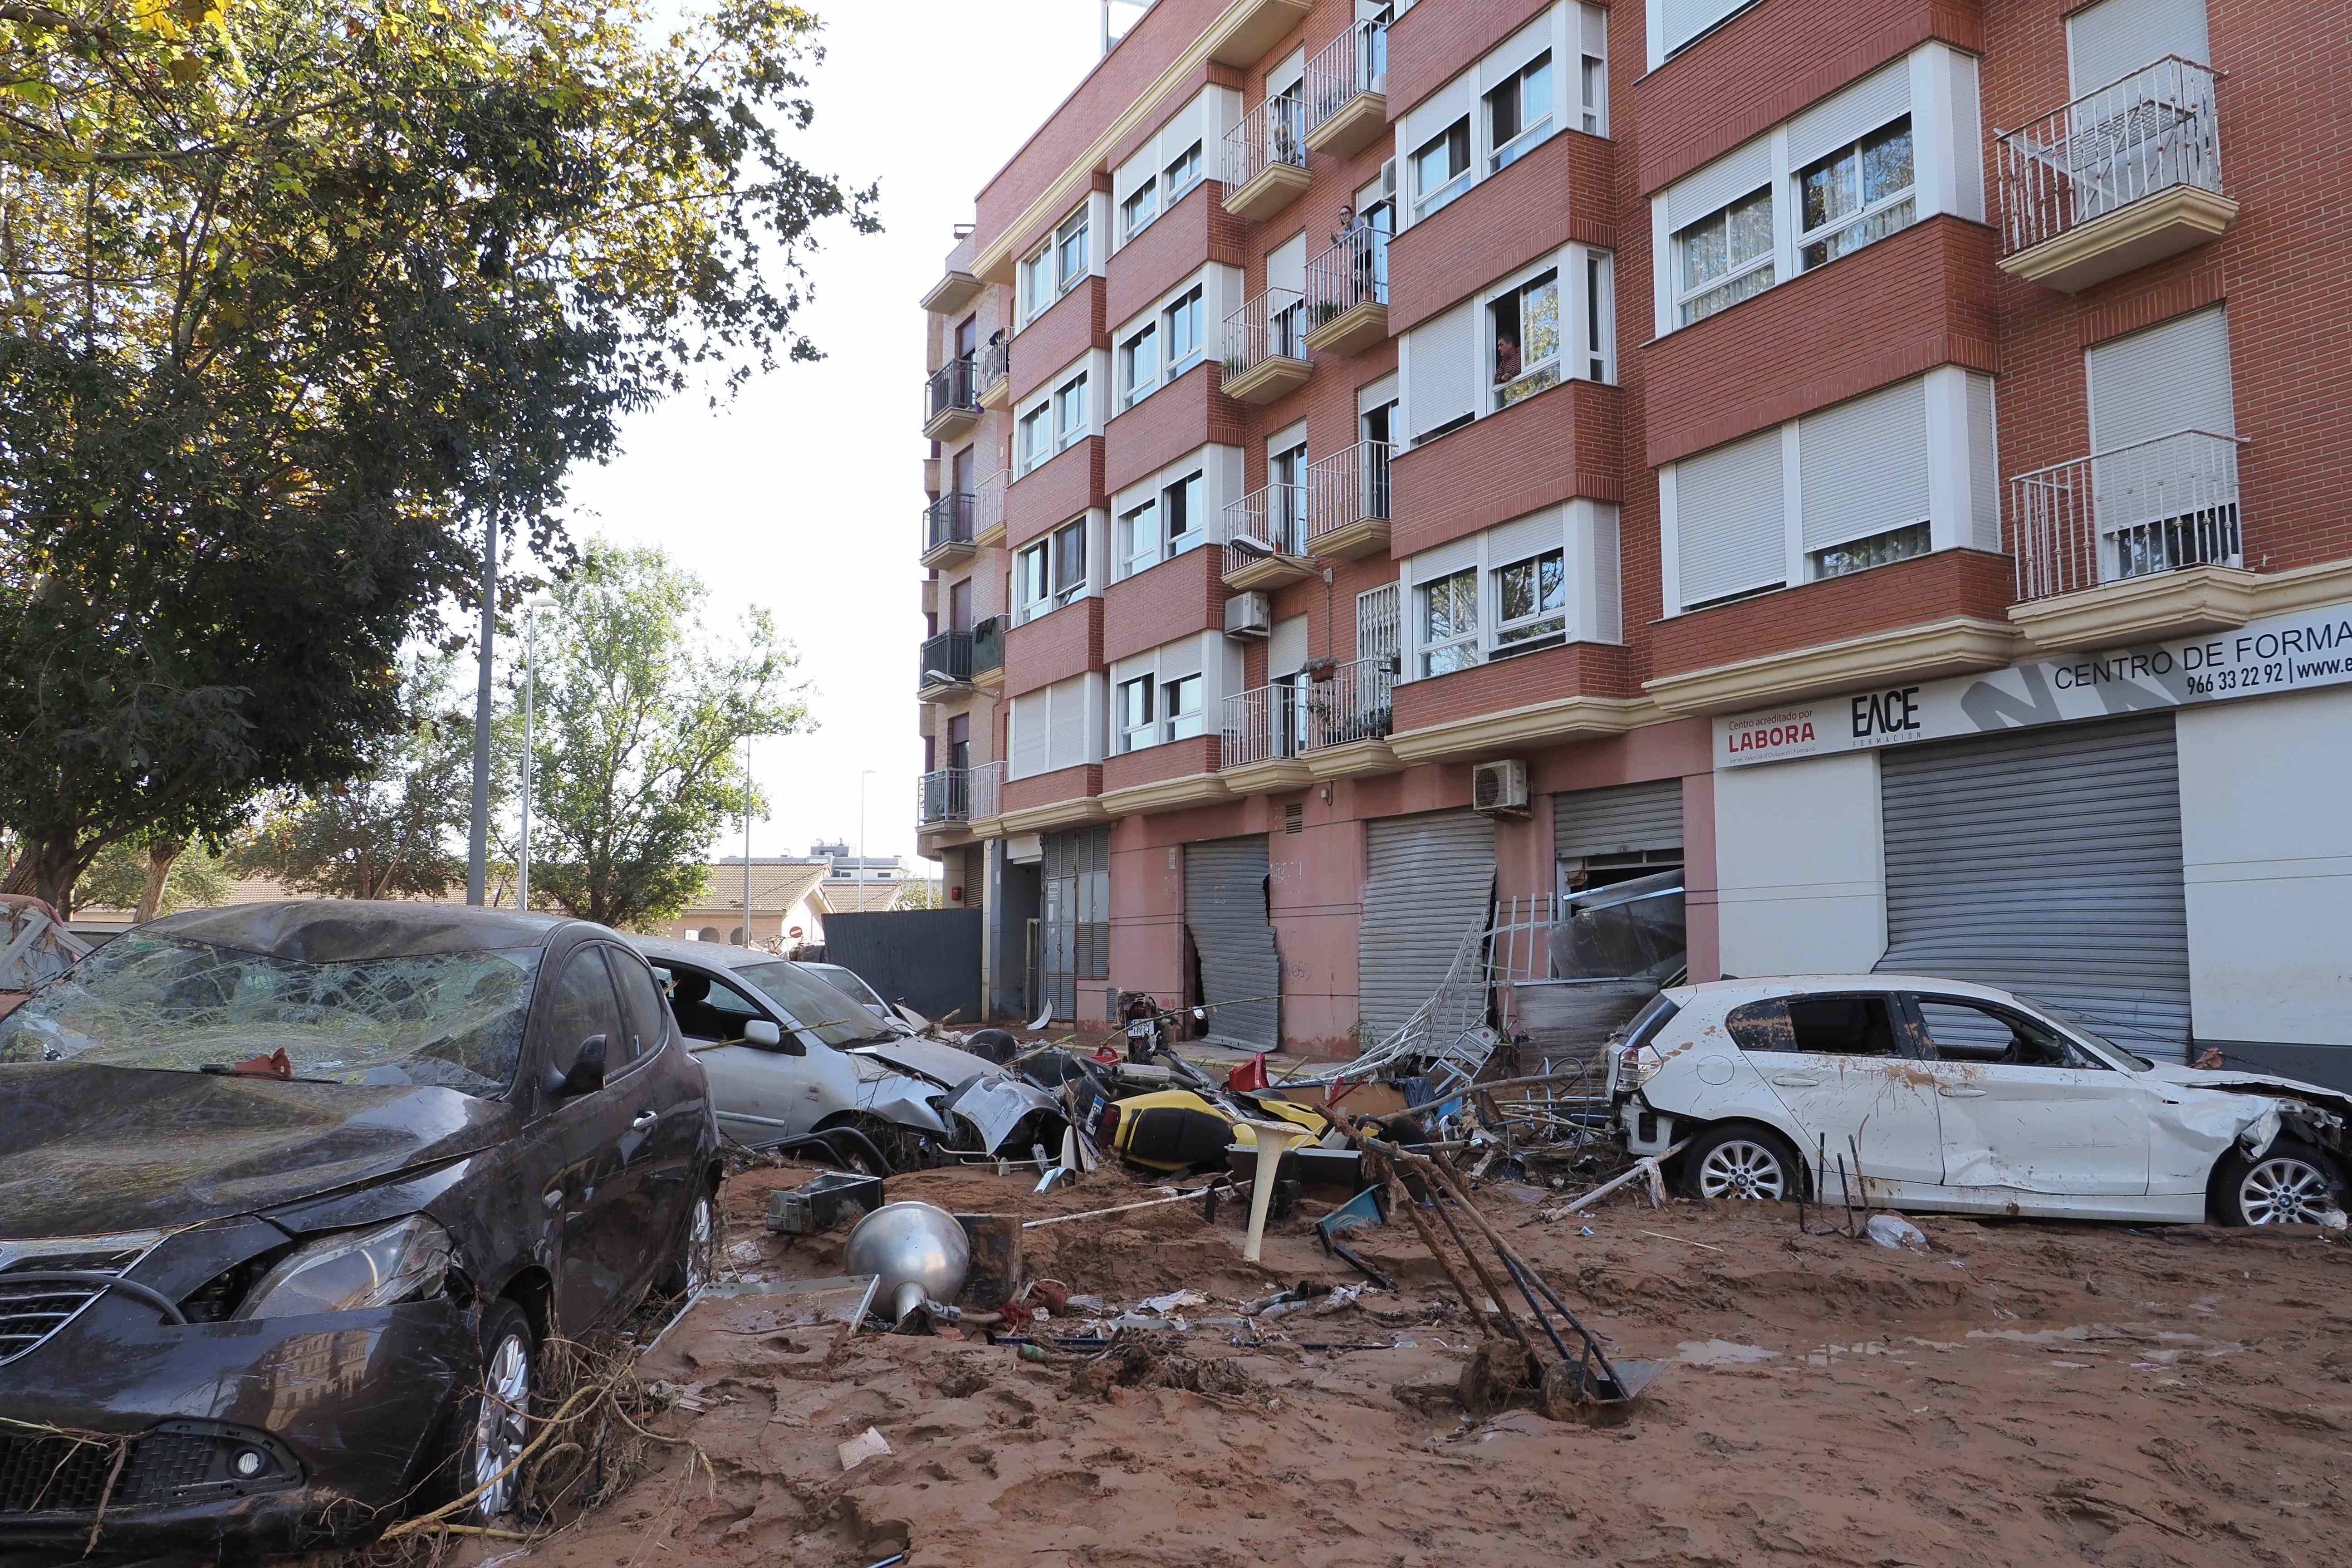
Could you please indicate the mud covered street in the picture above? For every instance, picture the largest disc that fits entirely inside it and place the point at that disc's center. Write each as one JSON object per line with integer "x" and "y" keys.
{"x": 2022, "y": 1391}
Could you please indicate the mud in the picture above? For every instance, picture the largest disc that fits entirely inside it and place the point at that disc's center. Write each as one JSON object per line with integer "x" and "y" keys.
{"x": 2020, "y": 1393}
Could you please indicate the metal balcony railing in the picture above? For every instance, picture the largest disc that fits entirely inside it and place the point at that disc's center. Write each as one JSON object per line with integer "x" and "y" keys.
{"x": 949, "y": 390}
{"x": 2154, "y": 129}
{"x": 1292, "y": 718}
{"x": 2148, "y": 507}
{"x": 1347, "y": 487}
{"x": 943, "y": 795}
{"x": 1262, "y": 724}
{"x": 988, "y": 644}
{"x": 948, "y": 521}
{"x": 994, "y": 364}
{"x": 987, "y": 503}
{"x": 984, "y": 785}
{"x": 946, "y": 660}
{"x": 1272, "y": 326}
{"x": 1268, "y": 521}
{"x": 1352, "y": 273}
{"x": 1354, "y": 63}
{"x": 1274, "y": 132}
{"x": 1357, "y": 703}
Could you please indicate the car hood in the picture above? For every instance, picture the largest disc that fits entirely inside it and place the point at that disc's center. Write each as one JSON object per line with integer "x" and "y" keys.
{"x": 943, "y": 1065}
{"x": 96, "y": 1150}
{"x": 2231, "y": 1080}
{"x": 995, "y": 1102}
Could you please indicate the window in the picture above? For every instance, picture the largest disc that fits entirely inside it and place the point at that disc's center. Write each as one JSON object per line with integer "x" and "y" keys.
{"x": 1878, "y": 550}
{"x": 1139, "y": 366}
{"x": 1053, "y": 572}
{"x": 1138, "y": 211}
{"x": 1037, "y": 284}
{"x": 584, "y": 1009}
{"x": 1134, "y": 726}
{"x": 1523, "y": 324}
{"x": 1815, "y": 1025}
{"x": 1032, "y": 571}
{"x": 1599, "y": 314}
{"x": 1070, "y": 252}
{"x": 1183, "y": 322}
{"x": 1962, "y": 1030}
{"x": 1139, "y": 537}
{"x": 1596, "y": 95}
{"x": 1161, "y": 528}
{"x": 646, "y": 1020}
{"x": 1449, "y": 623}
{"x": 1440, "y": 169}
{"x": 1069, "y": 411}
{"x": 1725, "y": 258}
{"x": 1182, "y": 173}
{"x": 1180, "y": 701}
{"x": 1069, "y": 562}
{"x": 1854, "y": 196}
{"x": 1531, "y": 603}
{"x": 1519, "y": 113}
{"x": 1034, "y": 441}
{"x": 1182, "y": 515}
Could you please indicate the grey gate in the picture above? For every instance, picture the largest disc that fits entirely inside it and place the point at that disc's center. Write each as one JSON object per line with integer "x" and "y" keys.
{"x": 1427, "y": 880}
{"x": 1226, "y": 914}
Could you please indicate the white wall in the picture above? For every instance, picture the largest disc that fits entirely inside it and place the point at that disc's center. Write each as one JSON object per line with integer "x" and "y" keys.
{"x": 1800, "y": 867}
{"x": 2266, "y": 846}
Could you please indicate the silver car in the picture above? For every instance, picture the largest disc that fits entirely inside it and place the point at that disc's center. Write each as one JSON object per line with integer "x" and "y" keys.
{"x": 788, "y": 1055}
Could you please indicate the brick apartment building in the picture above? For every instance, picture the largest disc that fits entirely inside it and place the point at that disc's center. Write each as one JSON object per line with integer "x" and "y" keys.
{"x": 1884, "y": 458}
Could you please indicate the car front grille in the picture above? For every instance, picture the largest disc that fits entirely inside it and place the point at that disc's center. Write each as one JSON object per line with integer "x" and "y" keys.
{"x": 31, "y": 1311}
{"x": 68, "y": 1476}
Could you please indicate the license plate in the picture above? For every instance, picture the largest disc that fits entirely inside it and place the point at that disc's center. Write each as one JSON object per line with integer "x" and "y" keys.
{"x": 1138, "y": 1029}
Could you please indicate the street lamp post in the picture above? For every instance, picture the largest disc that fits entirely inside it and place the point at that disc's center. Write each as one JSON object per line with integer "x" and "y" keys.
{"x": 530, "y": 609}
{"x": 861, "y": 777}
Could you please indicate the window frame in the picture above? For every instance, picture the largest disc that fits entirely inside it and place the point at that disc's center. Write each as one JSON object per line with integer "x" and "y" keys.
{"x": 1032, "y": 439}
{"x": 1076, "y": 228}
{"x": 1687, "y": 294}
{"x": 1192, "y": 303}
{"x": 1147, "y": 725}
{"x": 1192, "y": 160}
{"x": 1427, "y": 204}
{"x": 1132, "y": 388}
{"x": 1513, "y": 636}
{"x": 1032, "y": 580}
{"x": 1066, "y": 433}
{"x": 1132, "y": 561}
{"x": 1531, "y": 133}
{"x": 1064, "y": 591}
{"x": 1498, "y": 392}
{"x": 1127, "y": 226}
{"x": 1867, "y": 210}
{"x": 1179, "y": 722}
{"x": 1426, "y": 649}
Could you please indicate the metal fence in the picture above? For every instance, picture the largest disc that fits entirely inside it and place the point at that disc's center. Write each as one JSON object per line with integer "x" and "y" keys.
{"x": 1354, "y": 63}
{"x": 947, "y": 521}
{"x": 949, "y": 390}
{"x": 1261, "y": 724}
{"x": 1290, "y": 719}
{"x": 988, "y": 503}
{"x": 927, "y": 958}
{"x": 995, "y": 364}
{"x": 2154, "y": 129}
{"x": 1346, "y": 488}
{"x": 1274, "y": 132}
{"x": 1272, "y": 326}
{"x": 2148, "y": 507}
{"x": 1352, "y": 273}
{"x": 943, "y": 795}
{"x": 1273, "y": 520}
{"x": 984, "y": 782}
{"x": 946, "y": 659}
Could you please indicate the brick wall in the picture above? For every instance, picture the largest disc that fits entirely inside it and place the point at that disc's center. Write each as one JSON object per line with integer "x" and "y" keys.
{"x": 1070, "y": 326}
{"x": 1890, "y": 310}
{"x": 1176, "y": 760}
{"x": 1195, "y": 231}
{"x": 1174, "y": 599}
{"x": 1909, "y": 593}
{"x": 1560, "y": 192}
{"x": 1055, "y": 646}
{"x": 1054, "y": 492}
{"x": 1557, "y": 444}
{"x": 1574, "y": 669}
{"x": 1432, "y": 45}
{"x": 1187, "y": 414}
{"x": 1046, "y": 789}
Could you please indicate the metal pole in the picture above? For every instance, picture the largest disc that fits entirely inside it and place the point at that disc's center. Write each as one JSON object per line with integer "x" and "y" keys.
{"x": 530, "y": 681}
{"x": 747, "y": 841}
{"x": 477, "y": 837}
{"x": 861, "y": 777}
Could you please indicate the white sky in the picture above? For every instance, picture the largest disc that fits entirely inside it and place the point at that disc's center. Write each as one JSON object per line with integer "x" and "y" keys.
{"x": 805, "y": 494}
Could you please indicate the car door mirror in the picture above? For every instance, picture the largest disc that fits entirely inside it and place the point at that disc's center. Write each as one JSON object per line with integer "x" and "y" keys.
{"x": 760, "y": 1032}
{"x": 586, "y": 1075}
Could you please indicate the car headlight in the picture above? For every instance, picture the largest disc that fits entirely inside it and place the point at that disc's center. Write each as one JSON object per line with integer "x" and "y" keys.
{"x": 403, "y": 1261}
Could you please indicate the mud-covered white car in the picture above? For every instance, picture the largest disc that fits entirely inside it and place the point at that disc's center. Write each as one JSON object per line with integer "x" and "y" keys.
{"x": 1962, "y": 1097}
{"x": 788, "y": 1055}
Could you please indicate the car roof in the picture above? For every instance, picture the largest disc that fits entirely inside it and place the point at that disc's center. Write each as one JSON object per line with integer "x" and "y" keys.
{"x": 1798, "y": 984}
{"x": 352, "y": 930}
{"x": 707, "y": 954}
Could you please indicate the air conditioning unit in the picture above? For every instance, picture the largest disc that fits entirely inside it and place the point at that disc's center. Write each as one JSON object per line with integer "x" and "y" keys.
{"x": 1249, "y": 617}
{"x": 1499, "y": 789}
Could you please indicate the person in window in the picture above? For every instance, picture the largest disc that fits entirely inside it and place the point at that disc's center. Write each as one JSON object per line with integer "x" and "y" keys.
{"x": 1507, "y": 359}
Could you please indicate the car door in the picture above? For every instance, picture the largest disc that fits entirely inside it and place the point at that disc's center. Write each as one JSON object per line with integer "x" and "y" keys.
{"x": 1848, "y": 1074}
{"x": 592, "y": 1135}
{"x": 2025, "y": 1109}
{"x": 665, "y": 1127}
{"x": 763, "y": 1093}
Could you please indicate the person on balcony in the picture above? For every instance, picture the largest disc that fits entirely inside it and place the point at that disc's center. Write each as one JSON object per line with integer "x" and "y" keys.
{"x": 1354, "y": 235}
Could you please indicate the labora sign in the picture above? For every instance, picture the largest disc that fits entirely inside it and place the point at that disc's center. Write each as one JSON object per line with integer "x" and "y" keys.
{"x": 2283, "y": 653}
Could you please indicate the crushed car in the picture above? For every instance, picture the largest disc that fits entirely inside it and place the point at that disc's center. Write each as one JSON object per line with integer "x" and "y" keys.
{"x": 294, "y": 1195}
{"x": 1939, "y": 1095}
{"x": 792, "y": 1059}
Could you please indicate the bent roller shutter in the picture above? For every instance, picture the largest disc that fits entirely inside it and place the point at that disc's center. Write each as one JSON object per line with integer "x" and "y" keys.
{"x": 2048, "y": 862}
{"x": 1621, "y": 820}
{"x": 1428, "y": 881}
{"x": 1226, "y": 914}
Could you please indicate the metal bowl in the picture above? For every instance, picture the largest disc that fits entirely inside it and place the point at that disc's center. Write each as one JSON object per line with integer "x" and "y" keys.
{"x": 917, "y": 1249}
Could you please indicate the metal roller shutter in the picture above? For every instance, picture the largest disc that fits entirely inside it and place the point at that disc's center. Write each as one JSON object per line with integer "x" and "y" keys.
{"x": 2047, "y": 862}
{"x": 1427, "y": 880}
{"x": 1731, "y": 520}
{"x": 1224, "y": 912}
{"x": 2109, "y": 41}
{"x": 1618, "y": 821}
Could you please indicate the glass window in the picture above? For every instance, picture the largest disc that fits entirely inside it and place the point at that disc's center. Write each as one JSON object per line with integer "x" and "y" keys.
{"x": 1139, "y": 534}
{"x": 1182, "y": 173}
{"x": 1817, "y": 1026}
{"x": 810, "y": 1003}
{"x": 1070, "y": 252}
{"x": 1183, "y": 320}
{"x": 1878, "y": 550}
{"x": 1035, "y": 443}
{"x": 1525, "y": 323}
{"x": 1139, "y": 209}
{"x": 1139, "y": 365}
{"x": 584, "y": 1007}
{"x": 1531, "y": 603}
{"x": 1726, "y": 256}
{"x": 1135, "y": 727}
{"x": 1449, "y": 623}
{"x": 641, "y": 1005}
{"x": 1518, "y": 112}
{"x": 1030, "y": 573}
{"x": 1069, "y": 562}
{"x": 1440, "y": 168}
{"x": 1964, "y": 1030}
{"x": 1596, "y": 95}
{"x": 1036, "y": 285}
{"x": 1600, "y": 313}
{"x": 1069, "y": 411}
{"x": 1180, "y": 701}
{"x": 1181, "y": 517}
{"x": 1854, "y": 196}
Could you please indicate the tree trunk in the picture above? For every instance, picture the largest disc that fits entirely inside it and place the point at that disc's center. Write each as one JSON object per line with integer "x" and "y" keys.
{"x": 58, "y": 865}
{"x": 24, "y": 875}
{"x": 161, "y": 854}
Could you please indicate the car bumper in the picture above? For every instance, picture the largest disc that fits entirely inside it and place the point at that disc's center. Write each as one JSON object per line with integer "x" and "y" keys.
{"x": 344, "y": 1408}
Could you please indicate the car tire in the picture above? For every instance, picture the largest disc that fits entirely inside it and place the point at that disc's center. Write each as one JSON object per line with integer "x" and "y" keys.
{"x": 2292, "y": 1183}
{"x": 696, "y": 1265}
{"x": 1739, "y": 1163}
{"x": 491, "y": 1422}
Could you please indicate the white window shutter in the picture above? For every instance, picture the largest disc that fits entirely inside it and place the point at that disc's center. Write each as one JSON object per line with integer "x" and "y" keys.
{"x": 1285, "y": 651}
{"x": 2172, "y": 376}
{"x": 1441, "y": 370}
{"x": 1725, "y": 181}
{"x": 1285, "y": 266}
{"x": 1730, "y": 519}
{"x": 1067, "y": 747}
{"x": 1863, "y": 466}
{"x": 1030, "y": 749}
{"x": 1851, "y": 115}
{"x": 1525, "y": 536}
{"x": 2109, "y": 41}
{"x": 1686, "y": 19}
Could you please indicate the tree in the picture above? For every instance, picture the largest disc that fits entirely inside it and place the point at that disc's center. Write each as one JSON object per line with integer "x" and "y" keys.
{"x": 637, "y": 737}
{"x": 295, "y": 291}
{"x": 158, "y": 878}
{"x": 919, "y": 893}
{"x": 388, "y": 832}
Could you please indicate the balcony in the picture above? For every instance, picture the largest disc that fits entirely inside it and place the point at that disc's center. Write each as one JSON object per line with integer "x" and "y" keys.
{"x": 947, "y": 530}
{"x": 1280, "y": 735}
{"x": 1265, "y": 538}
{"x": 984, "y": 785}
{"x": 1348, "y": 295}
{"x": 957, "y": 286}
{"x": 943, "y": 795}
{"x": 1265, "y": 347}
{"x": 987, "y": 653}
{"x": 992, "y": 375}
{"x": 1253, "y": 27}
{"x": 1348, "y": 502}
{"x": 1347, "y": 83}
{"x": 2118, "y": 178}
{"x": 988, "y": 511}
{"x": 945, "y": 667}
{"x": 1265, "y": 159}
{"x": 949, "y": 409}
{"x": 2138, "y": 543}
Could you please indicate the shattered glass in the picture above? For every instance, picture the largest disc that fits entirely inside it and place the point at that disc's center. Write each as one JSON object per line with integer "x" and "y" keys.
{"x": 451, "y": 1020}
{"x": 1630, "y": 931}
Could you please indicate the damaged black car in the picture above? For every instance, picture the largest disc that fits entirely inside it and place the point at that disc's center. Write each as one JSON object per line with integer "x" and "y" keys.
{"x": 292, "y": 1198}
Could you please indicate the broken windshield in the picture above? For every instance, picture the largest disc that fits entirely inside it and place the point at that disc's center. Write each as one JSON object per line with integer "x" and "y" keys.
{"x": 832, "y": 1016}
{"x": 451, "y": 1019}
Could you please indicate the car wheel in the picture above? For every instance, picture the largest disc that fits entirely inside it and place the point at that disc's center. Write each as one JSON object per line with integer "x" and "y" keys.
{"x": 2290, "y": 1184}
{"x": 492, "y": 1420}
{"x": 696, "y": 1264}
{"x": 1745, "y": 1165}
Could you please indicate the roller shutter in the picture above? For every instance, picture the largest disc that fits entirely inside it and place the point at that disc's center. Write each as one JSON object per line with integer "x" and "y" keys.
{"x": 1624, "y": 820}
{"x": 2109, "y": 41}
{"x": 1731, "y": 520}
{"x": 1225, "y": 915}
{"x": 2047, "y": 862}
{"x": 1428, "y": 879}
